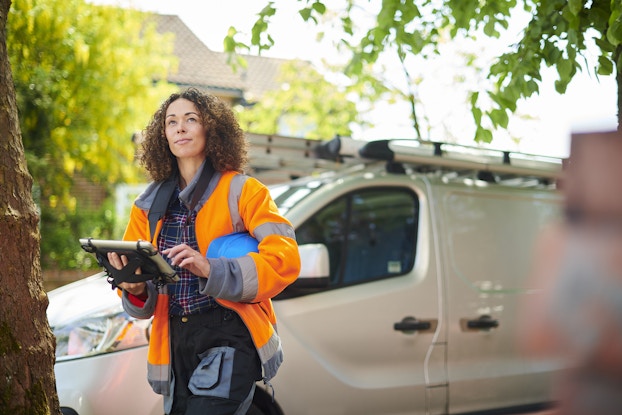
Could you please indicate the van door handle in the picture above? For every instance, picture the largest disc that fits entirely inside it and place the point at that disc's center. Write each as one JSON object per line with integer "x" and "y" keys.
{"x": 410, "y": 325}
{"x": 484, "y": 322}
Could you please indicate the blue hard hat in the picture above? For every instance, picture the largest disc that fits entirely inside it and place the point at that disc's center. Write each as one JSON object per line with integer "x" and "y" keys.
{"x": 233, "y": 245}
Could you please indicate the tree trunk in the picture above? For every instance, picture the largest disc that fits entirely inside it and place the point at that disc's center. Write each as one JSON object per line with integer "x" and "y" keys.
{"x": 27, "y": 385}
{"x": 616, "y": 58}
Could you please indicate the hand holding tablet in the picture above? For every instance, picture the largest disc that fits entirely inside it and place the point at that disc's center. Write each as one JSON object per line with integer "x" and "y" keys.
{"x": 140, "y": 254}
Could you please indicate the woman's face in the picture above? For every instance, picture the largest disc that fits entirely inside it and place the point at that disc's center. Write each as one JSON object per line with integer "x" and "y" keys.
{"x": 184, "y": 130}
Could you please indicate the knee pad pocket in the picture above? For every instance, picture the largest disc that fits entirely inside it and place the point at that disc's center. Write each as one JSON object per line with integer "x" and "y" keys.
{"x": 212, "y": 377}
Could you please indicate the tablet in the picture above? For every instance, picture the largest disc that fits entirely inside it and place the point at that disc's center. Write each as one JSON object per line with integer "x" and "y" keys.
{"x": 140, "y": 254}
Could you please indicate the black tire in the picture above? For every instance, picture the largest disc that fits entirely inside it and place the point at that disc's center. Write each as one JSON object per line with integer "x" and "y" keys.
{"x": 67, "y": 411}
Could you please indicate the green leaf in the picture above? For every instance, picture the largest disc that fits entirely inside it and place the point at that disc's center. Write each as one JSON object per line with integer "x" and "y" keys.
{"x": 346, "y": 24}
{"x": 499, "y": 118}
{"x": 483, "y": 135}
{"x": 229, "y": 43}
{"x": 573, "y": 36}
{"x": 605, "y": 65}
{"x": 474, "y": 97}
{"x": 560, "y": 86}
{"x": 387, "y": 16}
{"x": 497, "y": 68}
{"x": 268, "y": 11}
{"x": 305, "y": 13}
{"x": 489, "y": 29}
{"x": 554, "y": 56}
{"x": 531, "y": 87}
{"x": 319, "y": 7}
{"x": 477, "y": 115}
{"x": 502, "y": 99}
{"x": 564, "y": 68}
{"x": 614, "y": 33}
{"x": 604, "y": 45}
{"x": 259, "y": 27}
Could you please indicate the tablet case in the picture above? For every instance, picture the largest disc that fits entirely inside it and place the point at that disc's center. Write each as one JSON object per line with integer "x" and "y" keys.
{"x": 140, "y": 254}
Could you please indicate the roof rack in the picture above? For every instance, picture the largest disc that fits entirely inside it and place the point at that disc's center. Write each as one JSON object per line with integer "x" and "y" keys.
{"x": 287, "y": 157}
{"x": 422, "y": 154}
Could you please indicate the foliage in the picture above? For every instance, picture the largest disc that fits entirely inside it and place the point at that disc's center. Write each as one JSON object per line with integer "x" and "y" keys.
{"x": 558, "y": 34}
{"x": 306, "y": 105}
{"x": 84, "y": 82}
{"x": 63, "y": 228}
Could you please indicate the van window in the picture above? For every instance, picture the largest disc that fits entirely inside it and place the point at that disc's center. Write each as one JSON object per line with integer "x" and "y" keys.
{"x": 370, "y": 234}
{"x": 287, "y": 195}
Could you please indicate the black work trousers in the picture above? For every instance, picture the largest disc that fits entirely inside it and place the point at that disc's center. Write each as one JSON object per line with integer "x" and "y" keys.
{"x": 215, "y": 364}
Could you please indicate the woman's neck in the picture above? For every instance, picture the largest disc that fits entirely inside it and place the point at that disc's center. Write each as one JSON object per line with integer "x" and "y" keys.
{"x": 187, "y": 170}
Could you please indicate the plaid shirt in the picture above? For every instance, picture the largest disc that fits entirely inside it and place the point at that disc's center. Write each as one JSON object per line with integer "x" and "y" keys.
{"x": 178, "y": 228}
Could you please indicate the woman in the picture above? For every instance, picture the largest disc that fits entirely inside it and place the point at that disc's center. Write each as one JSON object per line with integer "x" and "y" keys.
{"x": 218, "y": 319}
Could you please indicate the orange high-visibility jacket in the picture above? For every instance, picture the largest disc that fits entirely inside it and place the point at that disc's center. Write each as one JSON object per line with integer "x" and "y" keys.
{"x": 233, "y": 202}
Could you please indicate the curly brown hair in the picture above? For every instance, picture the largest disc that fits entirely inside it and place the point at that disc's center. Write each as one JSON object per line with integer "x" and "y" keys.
{"x": 226, "y": 146}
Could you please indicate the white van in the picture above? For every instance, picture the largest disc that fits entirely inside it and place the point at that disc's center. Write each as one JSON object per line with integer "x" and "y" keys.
{"x": 414, "y": 263}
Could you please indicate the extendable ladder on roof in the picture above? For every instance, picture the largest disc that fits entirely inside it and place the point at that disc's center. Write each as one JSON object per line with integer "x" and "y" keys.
{"x": 277, "y": 158}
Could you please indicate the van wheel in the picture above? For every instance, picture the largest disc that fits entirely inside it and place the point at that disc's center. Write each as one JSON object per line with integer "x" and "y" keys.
{"x": 67, "y": 411}
{"x": 263, "y": 404}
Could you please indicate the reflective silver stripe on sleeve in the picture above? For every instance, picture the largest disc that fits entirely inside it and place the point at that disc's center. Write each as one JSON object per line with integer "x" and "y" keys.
{"x": 272, "y": 228}
{"x": 250, "y": 282}
{"x": 232, "y": 279}
{"x": 235, "y": 191}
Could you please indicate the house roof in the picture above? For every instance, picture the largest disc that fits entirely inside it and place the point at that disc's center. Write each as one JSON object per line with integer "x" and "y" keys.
{"x": 201, "y": 67}
{"x": 261, "y": 75}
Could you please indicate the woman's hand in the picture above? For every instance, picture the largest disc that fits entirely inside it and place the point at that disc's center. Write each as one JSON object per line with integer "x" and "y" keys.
{"x": 185, "y": 257}
{"x": 137, "y": 289}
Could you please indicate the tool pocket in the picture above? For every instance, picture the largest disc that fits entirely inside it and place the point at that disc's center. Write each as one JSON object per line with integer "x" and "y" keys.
{"x": 212, "y": 377}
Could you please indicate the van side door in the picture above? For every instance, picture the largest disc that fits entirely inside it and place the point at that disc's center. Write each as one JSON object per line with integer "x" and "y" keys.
{"x": 359, "y": 344}
{"x": 488, "y": 240}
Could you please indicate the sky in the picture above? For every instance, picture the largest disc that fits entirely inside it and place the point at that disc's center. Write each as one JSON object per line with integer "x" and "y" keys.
{"x": 589, "y": 104}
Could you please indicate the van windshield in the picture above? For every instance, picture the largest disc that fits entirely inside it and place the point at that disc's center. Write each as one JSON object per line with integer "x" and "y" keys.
{"x": 287, "y": 195}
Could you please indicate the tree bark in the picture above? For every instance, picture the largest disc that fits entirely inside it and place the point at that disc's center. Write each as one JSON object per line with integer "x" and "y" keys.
{"x": 616, "y": 58}
{"x": 27, "y": 384}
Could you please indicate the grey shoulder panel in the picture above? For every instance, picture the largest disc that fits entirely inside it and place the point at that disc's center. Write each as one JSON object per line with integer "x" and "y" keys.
{"x": 145, "y": 199}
